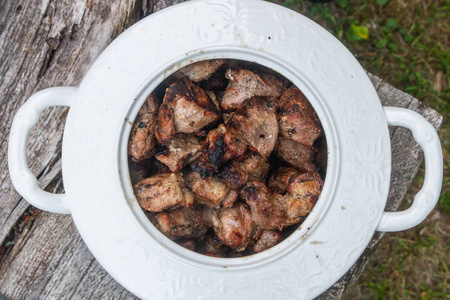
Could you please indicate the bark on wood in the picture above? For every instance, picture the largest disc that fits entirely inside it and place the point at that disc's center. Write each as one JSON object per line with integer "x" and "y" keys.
{"x": 53, "y": 43}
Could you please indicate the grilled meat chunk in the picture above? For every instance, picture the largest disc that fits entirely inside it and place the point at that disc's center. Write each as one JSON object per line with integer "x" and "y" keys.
{"x": 162, "y": 192}
{"x": 201, "y": 70}
{"x": 267, "y": 211}
{"x": 186, "y": 108}
{"x": 252, "y": 167}
{"x": 255, "y": 123}
{"x": 255, "y": 166}
{"x": 296, "y": 154}
{"x": 232, "y": 174}
{"x": 204, "y": 167}
{"x": 219, "y": 147}
{"x": 298, "y": 120}
{"x": 280, "y": 180}
{"x": 245, "y": 84}
{"x": 179, "y": 152}
{"x": 233, "y": 226}
{"x": 181, "y": 223}
{"x": 210, "y": 191}
{"x": 142, "y": 137}
{"x": 268, "y": 239}
{"x": 302, "y": 194}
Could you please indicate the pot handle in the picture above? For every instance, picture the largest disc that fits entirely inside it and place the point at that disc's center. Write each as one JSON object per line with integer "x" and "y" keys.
{"x": 26, "y": 117}
{"x": 426, "y": 199}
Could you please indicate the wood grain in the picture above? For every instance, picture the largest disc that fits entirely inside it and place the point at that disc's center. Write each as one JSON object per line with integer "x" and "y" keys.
{"x": 53, "y": 43}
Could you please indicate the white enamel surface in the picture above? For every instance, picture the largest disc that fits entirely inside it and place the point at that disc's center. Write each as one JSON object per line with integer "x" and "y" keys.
{"x": 426, "y": 199}
{"x": 22, "y": 178}
{"x": 355, "y": 192}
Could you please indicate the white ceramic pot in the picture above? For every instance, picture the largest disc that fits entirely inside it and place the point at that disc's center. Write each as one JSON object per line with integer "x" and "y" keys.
{"x": 94, "y": 157}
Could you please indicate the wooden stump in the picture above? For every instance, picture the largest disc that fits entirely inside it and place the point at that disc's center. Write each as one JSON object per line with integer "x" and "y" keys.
{"x": 53, "y": 43}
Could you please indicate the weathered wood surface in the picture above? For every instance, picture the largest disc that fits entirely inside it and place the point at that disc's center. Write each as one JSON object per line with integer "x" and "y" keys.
{"x": 53, "y": 43}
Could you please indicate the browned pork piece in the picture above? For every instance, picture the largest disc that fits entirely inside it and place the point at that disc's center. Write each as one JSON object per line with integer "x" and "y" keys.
{"x": 298, "y": 120}
{"x": 219, "y": 147}
{"x": 255, "y": 166}
{"x": 210, "y": 191}
{"x": 297, "y": 155}
{"x": 232, "y": 174}
{"x": 255, "y": 123}
{"x": 201, "y": 70}
{"x": 302, "y": 194}
{"x": 252, "y": 167}
{"x": 280, "y": 180}
{"x": 162, "y": 192}
{"x": 179, "y": 152}
{"x": 267, "y": 211}
{"x": 268, "y": 239}
{"x": 181, "y": 223}
{"x": 244, "y": 84}
{"x": 233, "y": 226}
{"x": 186, "y": 108}
{"x": 142, "y": 137}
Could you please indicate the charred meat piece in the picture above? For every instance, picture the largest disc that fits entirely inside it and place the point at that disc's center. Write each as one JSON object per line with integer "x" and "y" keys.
{"x": 210, "y": 191}
{"x": 296, "y": 154}
{"x": 186, "y": 108}
{"x": 181, "y": 223}
{"x": 267, "y": 211}
{"x": 204, "y": 167}
{"x": 201, "y": 70}
{"x": 219, "y": 147}
{"x": 234, "y": 227}
{"x": 162, "y": 192}
{"x": 280, "y": 180}
{"x": 245, "y": 84}
{"x": 302, "y": 194}
{"x": 298, "y": 120}
{"x": 255, "y": 123}
{"x": 268, "y": 239}
{"x": 232, "y": 174}
{"x": 253, "y": 167}
{"x": 179, "y": 152}
{"x": 142, "y": 137}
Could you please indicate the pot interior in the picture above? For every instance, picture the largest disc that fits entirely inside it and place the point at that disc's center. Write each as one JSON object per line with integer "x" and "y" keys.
{"x": 325, "y": 160}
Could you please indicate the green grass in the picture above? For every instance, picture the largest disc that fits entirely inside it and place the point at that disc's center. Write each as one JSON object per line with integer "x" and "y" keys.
{"x": 407, "y": 43}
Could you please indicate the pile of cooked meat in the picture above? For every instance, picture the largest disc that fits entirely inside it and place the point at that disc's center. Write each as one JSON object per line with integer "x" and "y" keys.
{"x": 224, "y": 157}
